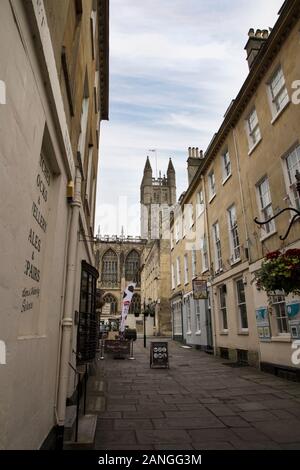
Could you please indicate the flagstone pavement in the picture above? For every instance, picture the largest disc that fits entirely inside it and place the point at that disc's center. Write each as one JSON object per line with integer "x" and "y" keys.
{"x": 198, "y": 403}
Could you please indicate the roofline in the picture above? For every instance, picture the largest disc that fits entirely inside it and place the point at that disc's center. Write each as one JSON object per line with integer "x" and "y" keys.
{"x": 103, "y": 25}
{"x": 289, "y": 14}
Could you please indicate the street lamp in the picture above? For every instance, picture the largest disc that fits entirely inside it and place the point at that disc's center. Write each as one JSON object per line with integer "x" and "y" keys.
{"x": 146, "y": 310}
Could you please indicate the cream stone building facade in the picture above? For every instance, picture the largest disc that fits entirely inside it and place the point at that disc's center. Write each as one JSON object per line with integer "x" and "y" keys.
{"x": 248, "y": 171}
{"x": 54, "y": 65}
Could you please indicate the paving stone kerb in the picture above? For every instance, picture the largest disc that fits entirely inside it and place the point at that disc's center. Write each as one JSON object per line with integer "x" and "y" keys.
{"x": 198, "y": 403}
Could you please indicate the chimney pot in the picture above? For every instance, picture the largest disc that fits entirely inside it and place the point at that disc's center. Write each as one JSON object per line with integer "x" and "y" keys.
{"x": 190, "y": 151}
{"x": 258, "y": 33}
{"x": 201, "y": 154}
{"x": 193, "y": 152}
{"x": 265, "y": 34}
{"x": 197, "y": 152}
{"x": 251, "y": 33}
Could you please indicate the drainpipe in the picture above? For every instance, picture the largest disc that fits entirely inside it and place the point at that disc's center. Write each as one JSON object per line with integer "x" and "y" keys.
{"x": 67, "y": 319}
{"x": 241, "y": 193}
{"x": 212, "y": 300}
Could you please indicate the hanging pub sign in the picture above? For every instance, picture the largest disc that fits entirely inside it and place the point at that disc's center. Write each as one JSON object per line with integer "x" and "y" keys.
{"x": 200, "y": 289}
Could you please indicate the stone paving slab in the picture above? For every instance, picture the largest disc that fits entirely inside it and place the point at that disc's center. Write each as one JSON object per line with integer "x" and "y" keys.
{"x": 199, "y": 403}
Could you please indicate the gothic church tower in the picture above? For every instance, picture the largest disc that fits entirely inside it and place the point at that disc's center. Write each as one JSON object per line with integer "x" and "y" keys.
{"x": 155, "y": 191}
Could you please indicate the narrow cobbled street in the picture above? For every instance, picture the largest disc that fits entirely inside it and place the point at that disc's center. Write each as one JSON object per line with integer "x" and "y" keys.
{"x": 198, "y": 403}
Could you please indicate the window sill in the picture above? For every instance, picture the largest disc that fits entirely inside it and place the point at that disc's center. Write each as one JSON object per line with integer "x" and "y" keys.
{"x": 224, "y": 333}
{"x": 188, "y": 333}
{"x": 262, "y": 239}
{"x": 280, "y": 112}
{"x": 198, "y": 333}
{"x": 244, "y": 332}
{"x": 204, "y": 271}
{"x": 254, "y": 146}
{"x": 212, "y": 198}
{"x": 234, "y": 262}
{"x": 226, "y": 179}
{"x": 285, "y": 338}
{"x": 187, "y": 283}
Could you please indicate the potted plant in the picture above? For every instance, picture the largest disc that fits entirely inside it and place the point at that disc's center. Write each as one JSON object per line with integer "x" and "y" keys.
{"x": 136, "y": 313}
{"x": 280, "y": 271}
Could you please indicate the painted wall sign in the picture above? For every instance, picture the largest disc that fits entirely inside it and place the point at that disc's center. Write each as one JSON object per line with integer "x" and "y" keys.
{"x": 35, "y": 242}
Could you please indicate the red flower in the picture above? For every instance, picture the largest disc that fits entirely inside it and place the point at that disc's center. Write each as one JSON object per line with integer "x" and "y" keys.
{"x": 292, "y": 253}
{"x": 273, "y": 255}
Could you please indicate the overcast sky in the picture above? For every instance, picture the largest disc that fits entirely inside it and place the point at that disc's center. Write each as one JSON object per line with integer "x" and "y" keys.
{"x": 175, "y": 66}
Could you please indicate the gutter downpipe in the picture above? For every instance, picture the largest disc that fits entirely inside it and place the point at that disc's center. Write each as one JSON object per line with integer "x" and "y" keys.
{"x": 67, "y": 319}
{"x": 213, "y": 318}
{"x": 241, "y": 193}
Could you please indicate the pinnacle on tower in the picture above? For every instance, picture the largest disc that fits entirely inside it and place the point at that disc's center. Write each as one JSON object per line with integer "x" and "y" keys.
{"x": 170, "y": 167}
{"x": 148, "y": 166}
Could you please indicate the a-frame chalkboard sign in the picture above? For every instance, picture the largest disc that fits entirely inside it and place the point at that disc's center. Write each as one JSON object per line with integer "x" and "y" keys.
{"x": 159, "y": 355}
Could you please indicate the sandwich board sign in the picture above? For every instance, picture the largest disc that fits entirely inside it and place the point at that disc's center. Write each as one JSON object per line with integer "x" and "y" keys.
{"x": 159, "y": 355}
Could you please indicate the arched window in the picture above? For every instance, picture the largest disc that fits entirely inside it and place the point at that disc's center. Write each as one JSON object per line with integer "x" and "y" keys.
{"x": 132, "y": 267}
{"x": 135, "y": 306}
{"x": 112, "y": 301}
{"x": 109, "y": 275}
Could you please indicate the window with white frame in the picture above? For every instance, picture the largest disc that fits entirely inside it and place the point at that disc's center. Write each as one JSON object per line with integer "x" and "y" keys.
{"x": 217, "y": 247}
{"x": 197, "y": 316}
{"x": 177, "y": 231}
{"x": 279, "y": 307}
{"x": 188, "y": 314}
{"x": 292, "y": 162}
{"x": 189, "y": 215}
{"x": 200, "y": 203}
{"x": 186, "y": 269}
{"x": 253, "y": 129}
{"x": 173, "y": 276}
{"x": 212, "y": 184}
{"x": 204, "y": 253}
{"x": 223, "y": 308}
{"x": 278, "y": 92}
{"x": 93, "y": 32}
{"x": 183, "y": 225}
{"x": 226, "y": 165}
{"x": 172, "y": 239}
{"x": 265, "y": 205}
{"x": 233, "y": 234}
{"x": 194, "y": 261}
{"x": 178, "y": 272}
{"x": 83, "y": 128}
{"x": 241, "y": 304}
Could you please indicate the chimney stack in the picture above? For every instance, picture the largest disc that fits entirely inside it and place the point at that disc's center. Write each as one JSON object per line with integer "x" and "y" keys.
{"x": 255, "y": 43}
{"x": 194, "y": 161}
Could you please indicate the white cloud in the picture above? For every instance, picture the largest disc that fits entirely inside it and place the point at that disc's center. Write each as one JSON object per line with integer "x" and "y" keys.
{"x": 175, "y": 66}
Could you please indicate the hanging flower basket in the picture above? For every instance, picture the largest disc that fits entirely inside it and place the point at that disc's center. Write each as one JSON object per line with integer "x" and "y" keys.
{"x": 136, "y": 314}
{"x": 280, "y": 271}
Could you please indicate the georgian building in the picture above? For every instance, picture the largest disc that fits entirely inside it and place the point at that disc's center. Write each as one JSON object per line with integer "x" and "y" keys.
{"x": 247, "y": 172}
{"x": 55, "y": 78}
{"x": 119, "y": 263}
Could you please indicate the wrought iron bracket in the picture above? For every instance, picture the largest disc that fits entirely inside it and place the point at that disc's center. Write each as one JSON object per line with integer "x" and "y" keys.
{"x": 287, "y": 209}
